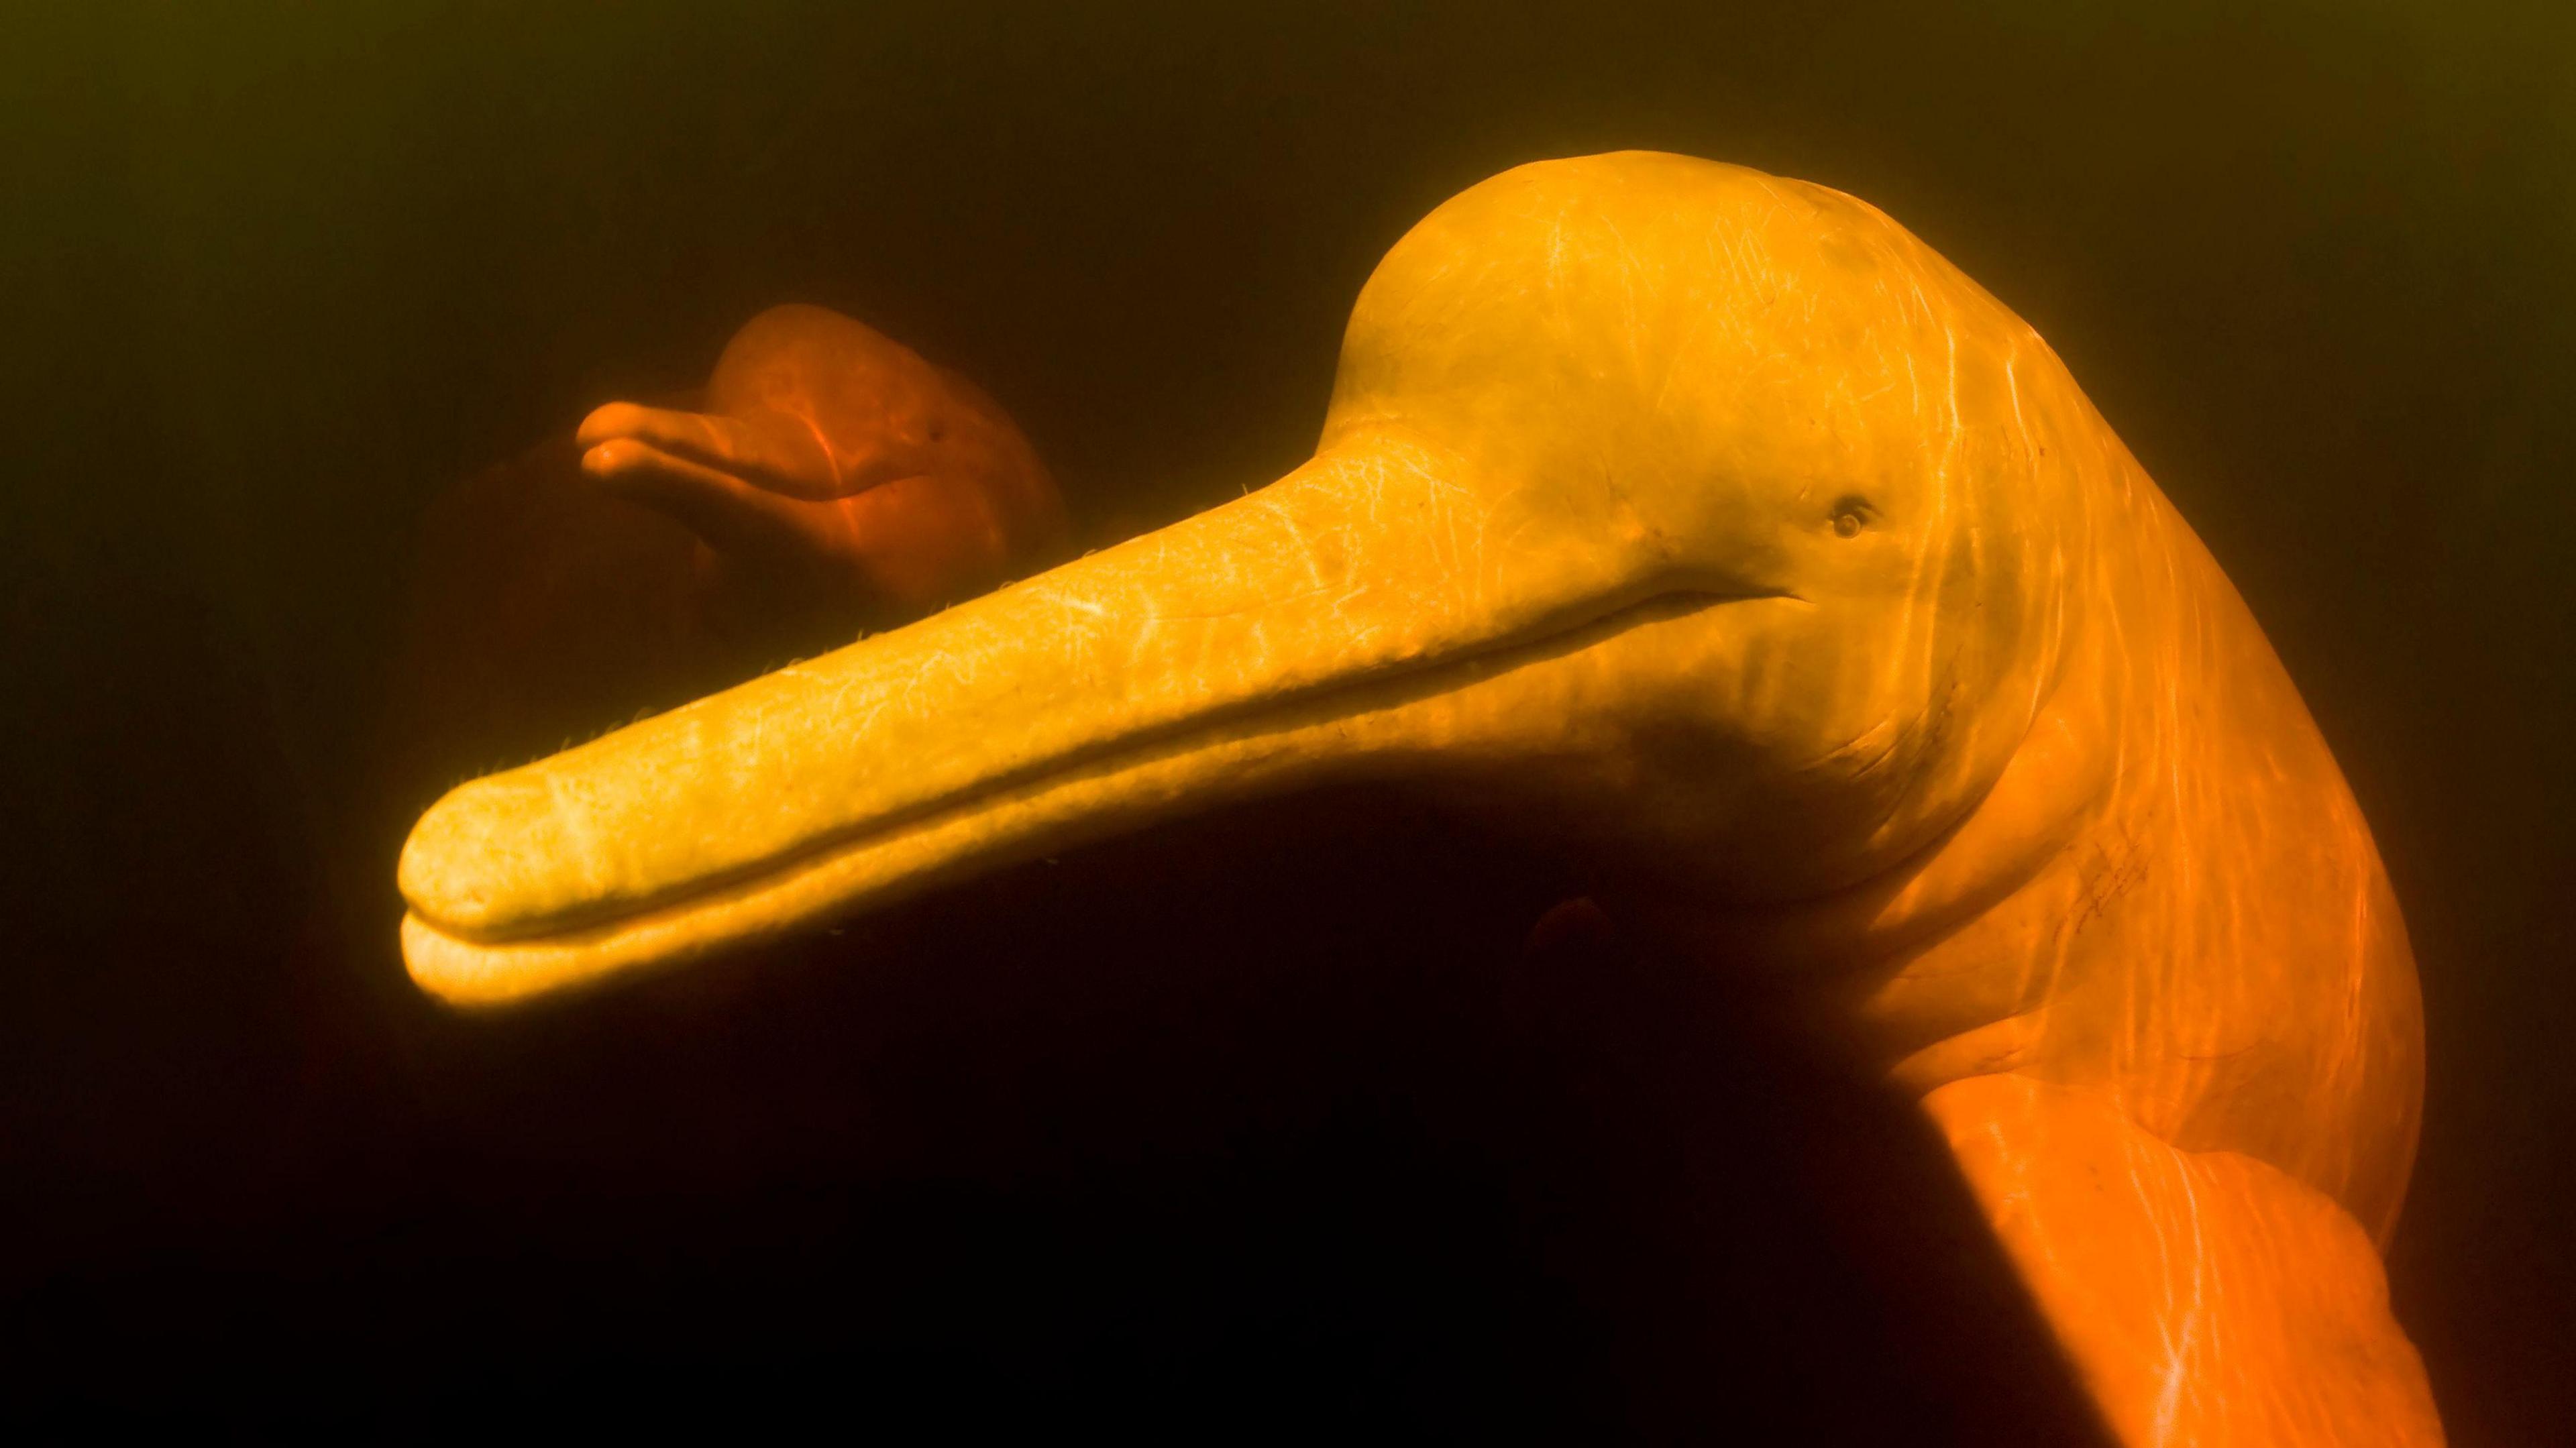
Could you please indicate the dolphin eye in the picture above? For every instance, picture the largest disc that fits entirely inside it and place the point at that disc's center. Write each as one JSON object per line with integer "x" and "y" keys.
{"x": 1851, "y": 515}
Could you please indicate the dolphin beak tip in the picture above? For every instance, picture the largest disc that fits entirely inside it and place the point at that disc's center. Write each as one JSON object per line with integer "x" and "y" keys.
{"x": 473, "y": 857}
{"x": 472, "y": 976}
{"x": 445, "y": 968}
{"x": 436, "y": 873}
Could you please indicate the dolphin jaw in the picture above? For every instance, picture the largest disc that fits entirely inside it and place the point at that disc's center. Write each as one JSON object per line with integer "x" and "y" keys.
{"x": 1128, "y": 782}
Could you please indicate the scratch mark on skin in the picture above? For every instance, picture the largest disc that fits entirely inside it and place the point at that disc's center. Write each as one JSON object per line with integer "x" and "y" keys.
{"x": 2178, "y": 1364}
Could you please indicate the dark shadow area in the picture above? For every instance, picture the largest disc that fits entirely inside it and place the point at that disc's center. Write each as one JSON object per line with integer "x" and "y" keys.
{"x": 1267, "y": 1125}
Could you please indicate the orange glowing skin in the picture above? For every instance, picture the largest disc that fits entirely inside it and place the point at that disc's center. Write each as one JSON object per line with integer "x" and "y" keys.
{"x": 837, "y": 457}
{"x": 1709, "y": 527}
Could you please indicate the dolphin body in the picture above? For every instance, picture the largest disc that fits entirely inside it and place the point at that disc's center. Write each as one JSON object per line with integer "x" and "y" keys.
{"x": 1712, "y": 528}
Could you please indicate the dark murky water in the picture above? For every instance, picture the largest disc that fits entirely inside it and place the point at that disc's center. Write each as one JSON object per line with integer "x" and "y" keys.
{"x": 1260, "y": 1127}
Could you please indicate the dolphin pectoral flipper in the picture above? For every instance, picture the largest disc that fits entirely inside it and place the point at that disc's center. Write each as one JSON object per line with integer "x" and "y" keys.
{"x": 2205, "y": 1297}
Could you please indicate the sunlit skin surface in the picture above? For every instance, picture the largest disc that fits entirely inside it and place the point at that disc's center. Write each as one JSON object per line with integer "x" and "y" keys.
{"x": 1708, "y": 527}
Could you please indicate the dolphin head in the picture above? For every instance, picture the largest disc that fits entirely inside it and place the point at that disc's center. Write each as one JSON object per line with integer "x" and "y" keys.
{"x": 1705, "y": 522}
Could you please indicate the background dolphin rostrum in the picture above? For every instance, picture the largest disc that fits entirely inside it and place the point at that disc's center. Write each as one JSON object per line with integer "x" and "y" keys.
{"x": 1711, "y": 530}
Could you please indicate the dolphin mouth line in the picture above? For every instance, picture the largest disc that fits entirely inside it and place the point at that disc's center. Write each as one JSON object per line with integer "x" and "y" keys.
{"x": 1390, "y": 685}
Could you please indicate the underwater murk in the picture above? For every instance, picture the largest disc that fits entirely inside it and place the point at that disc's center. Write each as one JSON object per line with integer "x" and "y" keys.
{"x": 1072, "y": 723}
